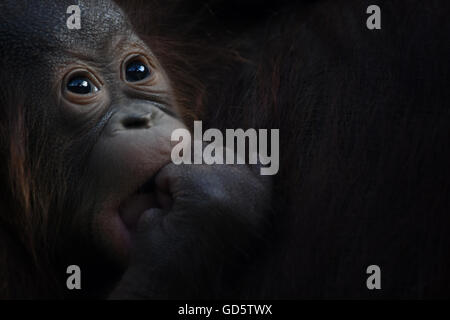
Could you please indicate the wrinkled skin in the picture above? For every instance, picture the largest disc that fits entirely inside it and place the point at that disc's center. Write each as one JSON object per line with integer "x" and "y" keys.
{"x": 188, "y": 225}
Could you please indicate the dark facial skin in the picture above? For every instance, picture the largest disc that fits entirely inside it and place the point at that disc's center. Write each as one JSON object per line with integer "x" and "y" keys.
{"x": 106, "y": 110}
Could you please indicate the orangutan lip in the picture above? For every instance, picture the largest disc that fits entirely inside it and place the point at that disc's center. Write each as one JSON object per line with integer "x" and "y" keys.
{"x": 137, "y": 203}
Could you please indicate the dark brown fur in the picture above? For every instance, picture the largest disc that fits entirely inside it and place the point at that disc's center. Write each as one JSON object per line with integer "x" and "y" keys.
{"x": 365, "y": 133}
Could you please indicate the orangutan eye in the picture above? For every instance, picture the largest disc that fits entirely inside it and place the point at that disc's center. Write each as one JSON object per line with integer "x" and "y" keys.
{"x": 81, "y": 85}
{"x": 136, "y": 70}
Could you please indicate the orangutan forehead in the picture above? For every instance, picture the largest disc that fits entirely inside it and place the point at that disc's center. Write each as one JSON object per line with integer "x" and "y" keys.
{"x": 42, "y": 24}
